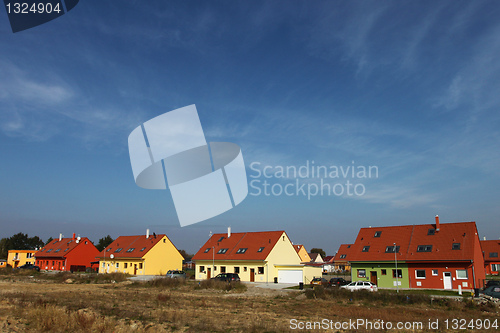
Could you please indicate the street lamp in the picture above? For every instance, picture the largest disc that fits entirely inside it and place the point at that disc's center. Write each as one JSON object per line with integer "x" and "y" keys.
{"x": 396, "y": 262}
{"x": 213, "y": 260}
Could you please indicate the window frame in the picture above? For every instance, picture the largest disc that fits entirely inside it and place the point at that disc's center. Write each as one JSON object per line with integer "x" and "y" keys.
{"x": 361, "y": 273}
{"x": 417, "y": 271}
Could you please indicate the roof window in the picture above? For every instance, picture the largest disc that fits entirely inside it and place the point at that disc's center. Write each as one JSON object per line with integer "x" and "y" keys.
{"x": 261, "y": 249}
{"x": 242, "y": 250}
{"x": 424, "y": 248}
{"x": 366, "y": 249}
{"x": 377, "y": 234}
{"x": 118, "y": 249}
{"x": 455, "y": 246}
{"x": 131, "y": 249}
{"x": 390, "y": 249}
{"x": 222, "y": 251}
{"x": 431, "y": 232}
{"x": 207, "y": 249}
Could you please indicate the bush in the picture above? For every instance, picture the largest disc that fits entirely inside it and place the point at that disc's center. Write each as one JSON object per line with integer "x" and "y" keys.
{"x": 221, "y": 285}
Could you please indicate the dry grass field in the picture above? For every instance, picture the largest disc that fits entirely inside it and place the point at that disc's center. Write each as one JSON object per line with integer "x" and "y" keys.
{"x": 109, "y": 303}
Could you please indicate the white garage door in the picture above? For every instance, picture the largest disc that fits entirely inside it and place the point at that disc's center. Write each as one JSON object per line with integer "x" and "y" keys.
{"x": 288, "y": 276}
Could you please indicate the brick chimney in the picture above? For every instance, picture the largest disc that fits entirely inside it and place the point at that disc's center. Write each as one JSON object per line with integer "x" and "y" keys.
{"x": 437, "y": 222}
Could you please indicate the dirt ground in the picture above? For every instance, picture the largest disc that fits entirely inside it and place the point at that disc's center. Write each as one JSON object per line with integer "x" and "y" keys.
{"x": 32, "y": 305}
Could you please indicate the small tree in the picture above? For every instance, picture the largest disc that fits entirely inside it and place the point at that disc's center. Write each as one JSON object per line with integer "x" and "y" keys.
{"x": 186, "y": 255}
{"x": 320, "y": 251}
{"x": 104, "y": 242}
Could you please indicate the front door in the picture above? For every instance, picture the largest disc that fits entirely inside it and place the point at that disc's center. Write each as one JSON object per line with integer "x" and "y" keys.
{"x": 252, "y": 275}
{"x": 135, "y": 269}
{"x": 447, "y": 280}
{"x": 373, "y": 277}
{"x": 209, "y": 270}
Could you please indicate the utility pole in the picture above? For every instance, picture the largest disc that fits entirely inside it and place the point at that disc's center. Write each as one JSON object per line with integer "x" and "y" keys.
{"x": 396, "y": 261}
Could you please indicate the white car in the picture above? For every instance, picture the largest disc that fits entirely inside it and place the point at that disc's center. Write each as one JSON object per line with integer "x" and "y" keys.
{"x": 360, "y": 285}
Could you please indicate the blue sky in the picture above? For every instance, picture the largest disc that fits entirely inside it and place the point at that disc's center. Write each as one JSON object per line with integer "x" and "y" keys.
{"x": 408, "y": 87}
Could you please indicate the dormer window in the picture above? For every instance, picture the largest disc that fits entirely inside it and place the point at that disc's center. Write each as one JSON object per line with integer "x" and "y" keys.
{"x": 242, "y": 250}
{"x": 222, "y": 251}
{"x": 377, "y": 234}
{"x": 424, "y": 248}
{"x": 391, "y": 249}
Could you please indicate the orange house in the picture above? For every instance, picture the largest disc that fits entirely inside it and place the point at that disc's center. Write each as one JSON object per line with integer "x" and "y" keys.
{"x": 491, "y": 248}
{"x": 66, "y": 254}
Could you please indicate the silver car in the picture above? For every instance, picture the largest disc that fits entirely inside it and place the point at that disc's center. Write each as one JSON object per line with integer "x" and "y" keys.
{"x": 360, "y": 285}
{"x": 175, "y": 274}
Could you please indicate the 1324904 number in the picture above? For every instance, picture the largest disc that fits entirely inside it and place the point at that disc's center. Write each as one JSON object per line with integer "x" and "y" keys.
{"x": 35, "y": 8}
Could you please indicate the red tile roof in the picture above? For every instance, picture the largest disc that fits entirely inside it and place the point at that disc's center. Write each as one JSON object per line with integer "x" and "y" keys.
{"x": 344, "y": 249}
{"x": 258, "y": 245}
{"x": 130, "y": 246}
{"x": 409, "y": 238}
{"x": 490, "y": 247}
{"x": 60, "y": 248}
{"x": 297, "y": 247}
{"x": 328, "y": 259}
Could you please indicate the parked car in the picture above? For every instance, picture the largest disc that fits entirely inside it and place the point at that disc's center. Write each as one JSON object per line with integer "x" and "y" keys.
{"x": 337, "y": 282}
{"x": 360, "y": 285}
{"x": 175, "y": 274}
{"x": 493, "y": 291}
{"x": 490, "y": 283}
{"x": 319, "y": 282}
{"x": 228, "y": 277}
{"x": 29, "y": 266}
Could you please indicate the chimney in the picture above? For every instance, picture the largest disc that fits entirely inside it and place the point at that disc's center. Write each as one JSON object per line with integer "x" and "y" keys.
{"x": 228, "y": 232}
{"x": 60, "y": 237}
{"x": 484, "y": 238}
{"x": 437, "y": 222}
{"x": 74, "y": 235}
{"x": 147, "y": 233}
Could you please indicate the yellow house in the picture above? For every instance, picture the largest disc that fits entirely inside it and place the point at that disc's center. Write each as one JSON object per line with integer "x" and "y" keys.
{"x": 302, "y": 252}
{"x": 256, "y": 256}
{"x": 3, "y": 263}
{"x": 140, "y": 255}
{"x": 17, "y": 258}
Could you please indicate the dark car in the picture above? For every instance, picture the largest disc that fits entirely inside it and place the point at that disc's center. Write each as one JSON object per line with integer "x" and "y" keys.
{"x": 29, "y": 266}
{"x": 228, "y": 277}
{"x": 337, "y": 282}
{"x": 493, "y": 291}
{"x": 492, "y": 283}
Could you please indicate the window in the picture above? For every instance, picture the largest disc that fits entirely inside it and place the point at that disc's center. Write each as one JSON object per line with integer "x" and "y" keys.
{"x": 495, "y": 267}
{"x": 400, "y": 274}
{"x": 377, "y": 234}
{"x": 49, "y": 250}
{"x": 420, "y": 273}
{"x": 103, "y": 265}
{"x": 390, "y": 249}
{"x": 108, "y": 250}
{"x": 66, "y": 249}
{"x": 342, "y": 256}
{"x": 424, "y": 248}
{"x": 431, "y": 232}
{"x": 455, "y": 246}
{"x": 366, "y": 248}
{"x": 260, "y": 249}
{"x": 29, "y": 255}
{"x": 131, "y": 249}
{"x": 117, "y": 265}
{"x": 57, "y": 250}
{"x": 220, "y": 239}
{"x": 53, "y": 263}
{"x": 242, "y": 250}
{"x": 244, "y": 269}
{"x": 493, "y": 254}
{"x": 223, "y": 269}
{"x": 237, "y": 270}
{"x": 222, "y": 251}
{"x": 348, "y": 246}
{"x": 384, "y": 272}
{"x": 361, "y": 273}
{"x": 140, "y": 265}
{"x": 462, "y": 274}
{"x": 206, "y": 250}
{"x": 118, "y": 249}
{"x": 260, "y": 270}
{"x": 434, "y": 272}
{"x": 125, "y": 265}
{"x": 202, "y": 269}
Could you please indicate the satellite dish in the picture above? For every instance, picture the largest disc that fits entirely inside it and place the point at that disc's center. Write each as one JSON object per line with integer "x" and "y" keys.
{"x": 111, "y": 256}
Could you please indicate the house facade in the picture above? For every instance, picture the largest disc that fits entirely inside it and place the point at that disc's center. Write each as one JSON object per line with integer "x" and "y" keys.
{"x": 255, "y": 256}
{"x": 491, "y": 248}
{"x": 66, "y": 254}
{"x": 427, "y": 256}
{"x": 140, "y": 255}
{"x": 17, "y": 258}
{"x": 328, "y": 264}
